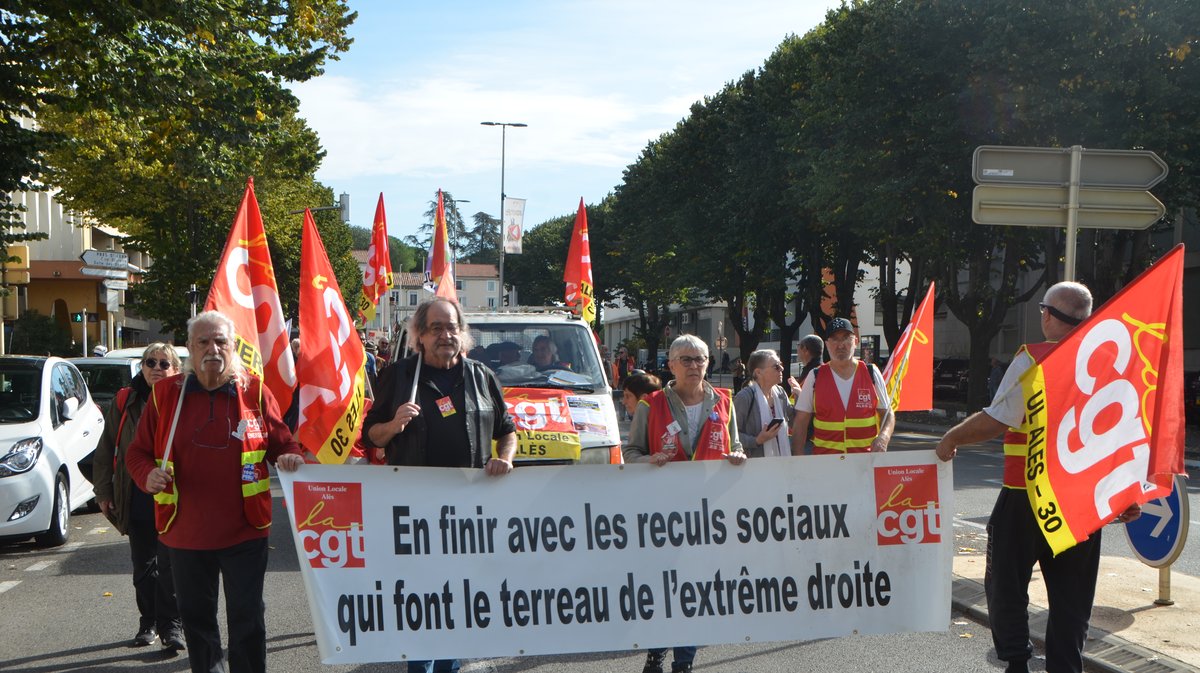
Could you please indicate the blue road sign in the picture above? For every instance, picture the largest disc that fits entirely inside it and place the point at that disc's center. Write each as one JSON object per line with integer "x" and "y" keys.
{"x": 1157, "y": 537}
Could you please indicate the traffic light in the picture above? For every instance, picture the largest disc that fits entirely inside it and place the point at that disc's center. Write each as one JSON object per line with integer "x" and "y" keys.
{"x": 77, "y": 317}
{"x": 506, "y": 299}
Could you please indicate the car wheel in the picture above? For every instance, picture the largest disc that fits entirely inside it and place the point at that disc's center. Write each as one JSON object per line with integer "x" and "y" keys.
{"x": 60, "y": 516}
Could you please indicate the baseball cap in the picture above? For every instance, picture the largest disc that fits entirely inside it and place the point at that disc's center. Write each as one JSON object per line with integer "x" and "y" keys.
{"x": 838, "y": 325}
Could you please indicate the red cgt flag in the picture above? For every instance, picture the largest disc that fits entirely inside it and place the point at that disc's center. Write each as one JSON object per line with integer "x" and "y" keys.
{"x": 909, "y": 372}
{"x": 244, "y": 289}
{"x": 578, "y": 272}
{"x": 332, "y": 360}
{"x": 1104, "y": 409}
{"x": 440, "y": 258}
{"x": 377, "y": 277}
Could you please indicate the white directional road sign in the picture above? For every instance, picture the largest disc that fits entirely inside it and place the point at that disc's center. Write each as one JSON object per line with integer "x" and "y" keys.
{"x": 107, "y": 259}
{"x": 1051, "y": 167}
{"x": 1046, "y": 207}
{"x": 104, "y": 273}
{"x": 114, "y": 284}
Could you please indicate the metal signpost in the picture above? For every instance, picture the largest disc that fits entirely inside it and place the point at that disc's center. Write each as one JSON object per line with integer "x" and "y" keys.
{"x": 113, "y": 267}
{"x": 1066, "y": 187}
{"x": 1158, "y": 536}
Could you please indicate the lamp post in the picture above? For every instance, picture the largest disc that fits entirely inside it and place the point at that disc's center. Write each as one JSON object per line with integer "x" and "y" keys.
{"x": 503, "y": 131}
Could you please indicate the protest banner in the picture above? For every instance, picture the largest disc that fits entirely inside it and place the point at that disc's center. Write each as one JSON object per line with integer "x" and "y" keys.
{"x": 419, "y": 563}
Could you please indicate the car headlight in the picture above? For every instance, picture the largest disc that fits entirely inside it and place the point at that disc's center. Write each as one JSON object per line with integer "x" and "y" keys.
{"x": 21, "y": 457}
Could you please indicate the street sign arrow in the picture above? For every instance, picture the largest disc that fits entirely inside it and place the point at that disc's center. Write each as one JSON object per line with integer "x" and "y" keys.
{"x": 1047, "y": 207}
{"x": 1160, "y": 509}
{"x": 1158, "y": 536}
{"x": 1051, "y": 167}
{"x": 116, "y": 284}
{"x": 104, "y": 273}
{"x": 107, "y": 259}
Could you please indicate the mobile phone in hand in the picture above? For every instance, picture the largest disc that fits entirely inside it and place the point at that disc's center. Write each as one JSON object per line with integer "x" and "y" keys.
{"x": 774, "y": 423}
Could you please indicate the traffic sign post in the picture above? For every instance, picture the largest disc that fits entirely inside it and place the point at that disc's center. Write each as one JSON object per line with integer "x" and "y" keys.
{"x": 1157, "y": 537}
{"x": 1075, "y": 187}
{"x": 106, "y": 259}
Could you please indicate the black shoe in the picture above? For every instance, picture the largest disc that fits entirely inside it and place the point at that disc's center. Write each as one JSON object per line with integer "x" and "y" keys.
{"x": 1017, "y": 667}
{"x": 654, "y": 662}
{"x": 173, "y": 641}
{"x": 145, "y": 636}
{"x": 681, "y": 668}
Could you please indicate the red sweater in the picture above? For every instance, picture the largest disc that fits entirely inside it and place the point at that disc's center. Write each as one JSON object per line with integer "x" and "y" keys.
{"x": 209, "y": 480}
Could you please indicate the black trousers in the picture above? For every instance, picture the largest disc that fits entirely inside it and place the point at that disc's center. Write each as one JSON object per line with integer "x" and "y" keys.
{"x": 1014, "y": 545}
{"x": 242, "y": 569}
{"x": 153, "y": 588}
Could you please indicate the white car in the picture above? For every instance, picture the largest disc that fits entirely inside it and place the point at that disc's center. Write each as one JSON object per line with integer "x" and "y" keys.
{"x": 48, "y": 423}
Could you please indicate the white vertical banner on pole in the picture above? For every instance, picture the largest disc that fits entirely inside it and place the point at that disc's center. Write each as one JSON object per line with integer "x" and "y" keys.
{"x": 514, "y": 223}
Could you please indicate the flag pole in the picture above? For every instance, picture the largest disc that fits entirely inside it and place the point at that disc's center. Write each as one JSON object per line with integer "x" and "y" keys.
{"x": 412, "y": 396}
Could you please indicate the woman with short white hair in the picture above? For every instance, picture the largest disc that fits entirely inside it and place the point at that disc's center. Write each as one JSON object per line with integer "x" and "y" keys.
{"x": 687, "y": 420}
{"x": 762, "y": 410}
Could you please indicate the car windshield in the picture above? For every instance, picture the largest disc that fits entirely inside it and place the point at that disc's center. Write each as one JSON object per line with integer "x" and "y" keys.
{"x": 104, "y": 379}
{"x": 539, "y": 356}
{"x": 20, "y": 390}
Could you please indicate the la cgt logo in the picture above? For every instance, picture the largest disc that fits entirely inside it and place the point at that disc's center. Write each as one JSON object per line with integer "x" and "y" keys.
{"x": 330, "y": 524}
{"x": 906, "y": 505}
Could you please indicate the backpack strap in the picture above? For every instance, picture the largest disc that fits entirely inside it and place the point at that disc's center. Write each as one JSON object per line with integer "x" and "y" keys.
{"x": 122, "y": 401}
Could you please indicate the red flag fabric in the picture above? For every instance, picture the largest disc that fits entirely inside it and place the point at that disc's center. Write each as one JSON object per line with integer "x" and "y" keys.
{"x": 909, "y": 372}
{"x": 244, "y": 289}
{"x": 440, "y": 257}
{"x": 445, "y": 286}
{"x": 578, "y": 272}
{"x": 332, "y": 360}
{"x": 1104, "y": 409}
{"x": 377, "y": 277}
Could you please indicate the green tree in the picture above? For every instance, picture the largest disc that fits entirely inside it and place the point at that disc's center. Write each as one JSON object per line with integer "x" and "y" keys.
{"x": 37, "y": 334}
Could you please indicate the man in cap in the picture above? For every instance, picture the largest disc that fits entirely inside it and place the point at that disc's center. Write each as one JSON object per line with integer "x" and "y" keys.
{"x": 845, "y": 399}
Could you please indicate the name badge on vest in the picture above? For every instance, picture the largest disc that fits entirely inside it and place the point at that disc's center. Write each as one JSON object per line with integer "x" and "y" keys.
{"x": 446, "y": 406}
{"x": 674, "y": 428}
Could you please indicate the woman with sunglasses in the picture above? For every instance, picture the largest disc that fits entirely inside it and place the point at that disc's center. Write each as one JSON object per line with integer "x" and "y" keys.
{"x": 687, "y": 420}
{"x": 131, "y": 511}
{"x": 762, "y": 409}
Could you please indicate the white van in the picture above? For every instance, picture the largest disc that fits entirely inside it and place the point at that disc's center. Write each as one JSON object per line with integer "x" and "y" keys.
{"x": 563, "y": 410}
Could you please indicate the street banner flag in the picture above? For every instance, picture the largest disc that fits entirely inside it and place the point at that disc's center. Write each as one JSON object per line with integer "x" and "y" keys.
{"x": 377, "y": 277}
{"x": 445, "y": 286}
{"x": 439, "y": 260}
{"x": 514, "y": 225}
{"x": 332, "y": 361}
{"x": 909, "y": 372}
{"x": 244, "y": 290}
{"x": 1104, "y": 409}
{"x": 578, "y": 273}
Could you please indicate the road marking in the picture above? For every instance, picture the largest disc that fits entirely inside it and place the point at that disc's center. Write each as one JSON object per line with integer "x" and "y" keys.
{"x": 8, "y": 584}
{"x": 98, "y": 530}
{"x": 972, "y": 524}
{"x": 70, "y": 546}
{"x": 40, "y": 565}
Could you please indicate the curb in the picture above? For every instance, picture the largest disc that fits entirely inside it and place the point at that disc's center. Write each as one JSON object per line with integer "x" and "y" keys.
{"x": 1103, "y": 651}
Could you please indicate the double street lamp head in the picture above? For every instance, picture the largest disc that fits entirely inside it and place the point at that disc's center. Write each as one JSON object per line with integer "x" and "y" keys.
{"x": 517, "y": 124}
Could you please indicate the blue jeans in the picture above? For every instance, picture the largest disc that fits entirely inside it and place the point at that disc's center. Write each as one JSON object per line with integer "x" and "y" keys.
{"x": 434, "y": 666}
{"x": 684, "y": 654}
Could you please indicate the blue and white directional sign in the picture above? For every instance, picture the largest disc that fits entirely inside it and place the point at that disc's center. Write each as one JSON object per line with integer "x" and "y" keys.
{"x": 1157, "y": 537}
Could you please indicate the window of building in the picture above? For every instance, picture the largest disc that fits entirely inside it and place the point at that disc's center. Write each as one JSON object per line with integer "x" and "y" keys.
{"x": 491, "y": 286}
{"x": 491, "y": 302}
{"x": 412, "y": 298}
{"x": 457, "y": 284}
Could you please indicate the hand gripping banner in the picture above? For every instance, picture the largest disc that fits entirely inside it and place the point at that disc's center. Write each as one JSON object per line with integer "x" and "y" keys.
{"x": 1104, "y": 409}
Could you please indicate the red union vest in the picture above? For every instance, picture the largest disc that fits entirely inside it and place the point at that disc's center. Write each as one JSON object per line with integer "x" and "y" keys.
{"x": 1016, "y": 446}
{"x": 713, "y": 442}
{"x": 256, "y": 479}
{"x": 837, "y": 429}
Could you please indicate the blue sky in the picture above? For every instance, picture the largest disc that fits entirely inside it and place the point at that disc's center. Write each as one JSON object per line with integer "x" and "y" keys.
{"x": 595, "y": 81}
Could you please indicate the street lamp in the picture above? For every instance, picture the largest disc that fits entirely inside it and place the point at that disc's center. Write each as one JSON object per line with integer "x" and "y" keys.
{"x": 503, "y": 131}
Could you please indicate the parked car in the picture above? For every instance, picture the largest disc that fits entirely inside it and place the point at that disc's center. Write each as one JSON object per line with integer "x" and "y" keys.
{"x": 105, "y": 376}
{"x": 951, "y": 376}
{"x": 48, "y": 424}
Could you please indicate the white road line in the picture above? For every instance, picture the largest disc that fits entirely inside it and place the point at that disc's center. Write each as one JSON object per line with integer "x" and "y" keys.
{"x": 972, "y": 524}
{"x": 70, "y": 546}
{"x": 40, "y": 565}
{"x": 6, "y": 585}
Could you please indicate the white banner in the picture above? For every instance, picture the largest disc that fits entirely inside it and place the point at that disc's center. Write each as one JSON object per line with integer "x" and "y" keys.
{"x": 514, "y": 225}
{"x": 424, "y": 563}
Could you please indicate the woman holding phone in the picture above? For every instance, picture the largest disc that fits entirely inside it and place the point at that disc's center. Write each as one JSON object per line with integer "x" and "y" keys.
{"x": 762, "y": 410}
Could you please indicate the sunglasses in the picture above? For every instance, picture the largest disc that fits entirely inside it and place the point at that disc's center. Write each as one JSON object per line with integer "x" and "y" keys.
{"x": 152, "y": 363}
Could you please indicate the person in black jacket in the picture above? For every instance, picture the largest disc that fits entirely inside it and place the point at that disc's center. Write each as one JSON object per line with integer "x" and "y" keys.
{"x": 458, "y": 411}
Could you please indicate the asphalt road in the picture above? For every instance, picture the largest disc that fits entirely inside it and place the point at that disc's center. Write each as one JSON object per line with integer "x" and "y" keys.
{"x": 72, "y": 609}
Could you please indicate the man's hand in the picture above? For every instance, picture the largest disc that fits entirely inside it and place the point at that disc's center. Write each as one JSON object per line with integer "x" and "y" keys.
{"x": 498, "y": 466}
{"x": 404, "y": 415}
{"x": 289, "y": 462}
{"x": 738, "y": 457}
{"x": 946, "y": 449}
{"x": 157, "y": 480}
{"x": 1131, "y": 513}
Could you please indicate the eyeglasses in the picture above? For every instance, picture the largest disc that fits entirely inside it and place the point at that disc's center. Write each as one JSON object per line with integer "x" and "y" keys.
{"x": 692, "y": 361}
{"x": 437, "y": 327}
{"x": 160, "y": 364}
{"x": 1069, "y": 319}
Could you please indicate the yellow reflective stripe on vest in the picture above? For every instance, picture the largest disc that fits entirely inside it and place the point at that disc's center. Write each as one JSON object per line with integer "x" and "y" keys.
{"x": 827, "y": 425}
{"x": 260, "y": 486}
{"x": 253, "y": 457}
{"x": 868, "y": 422}
{"x": 164, "y": 498}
